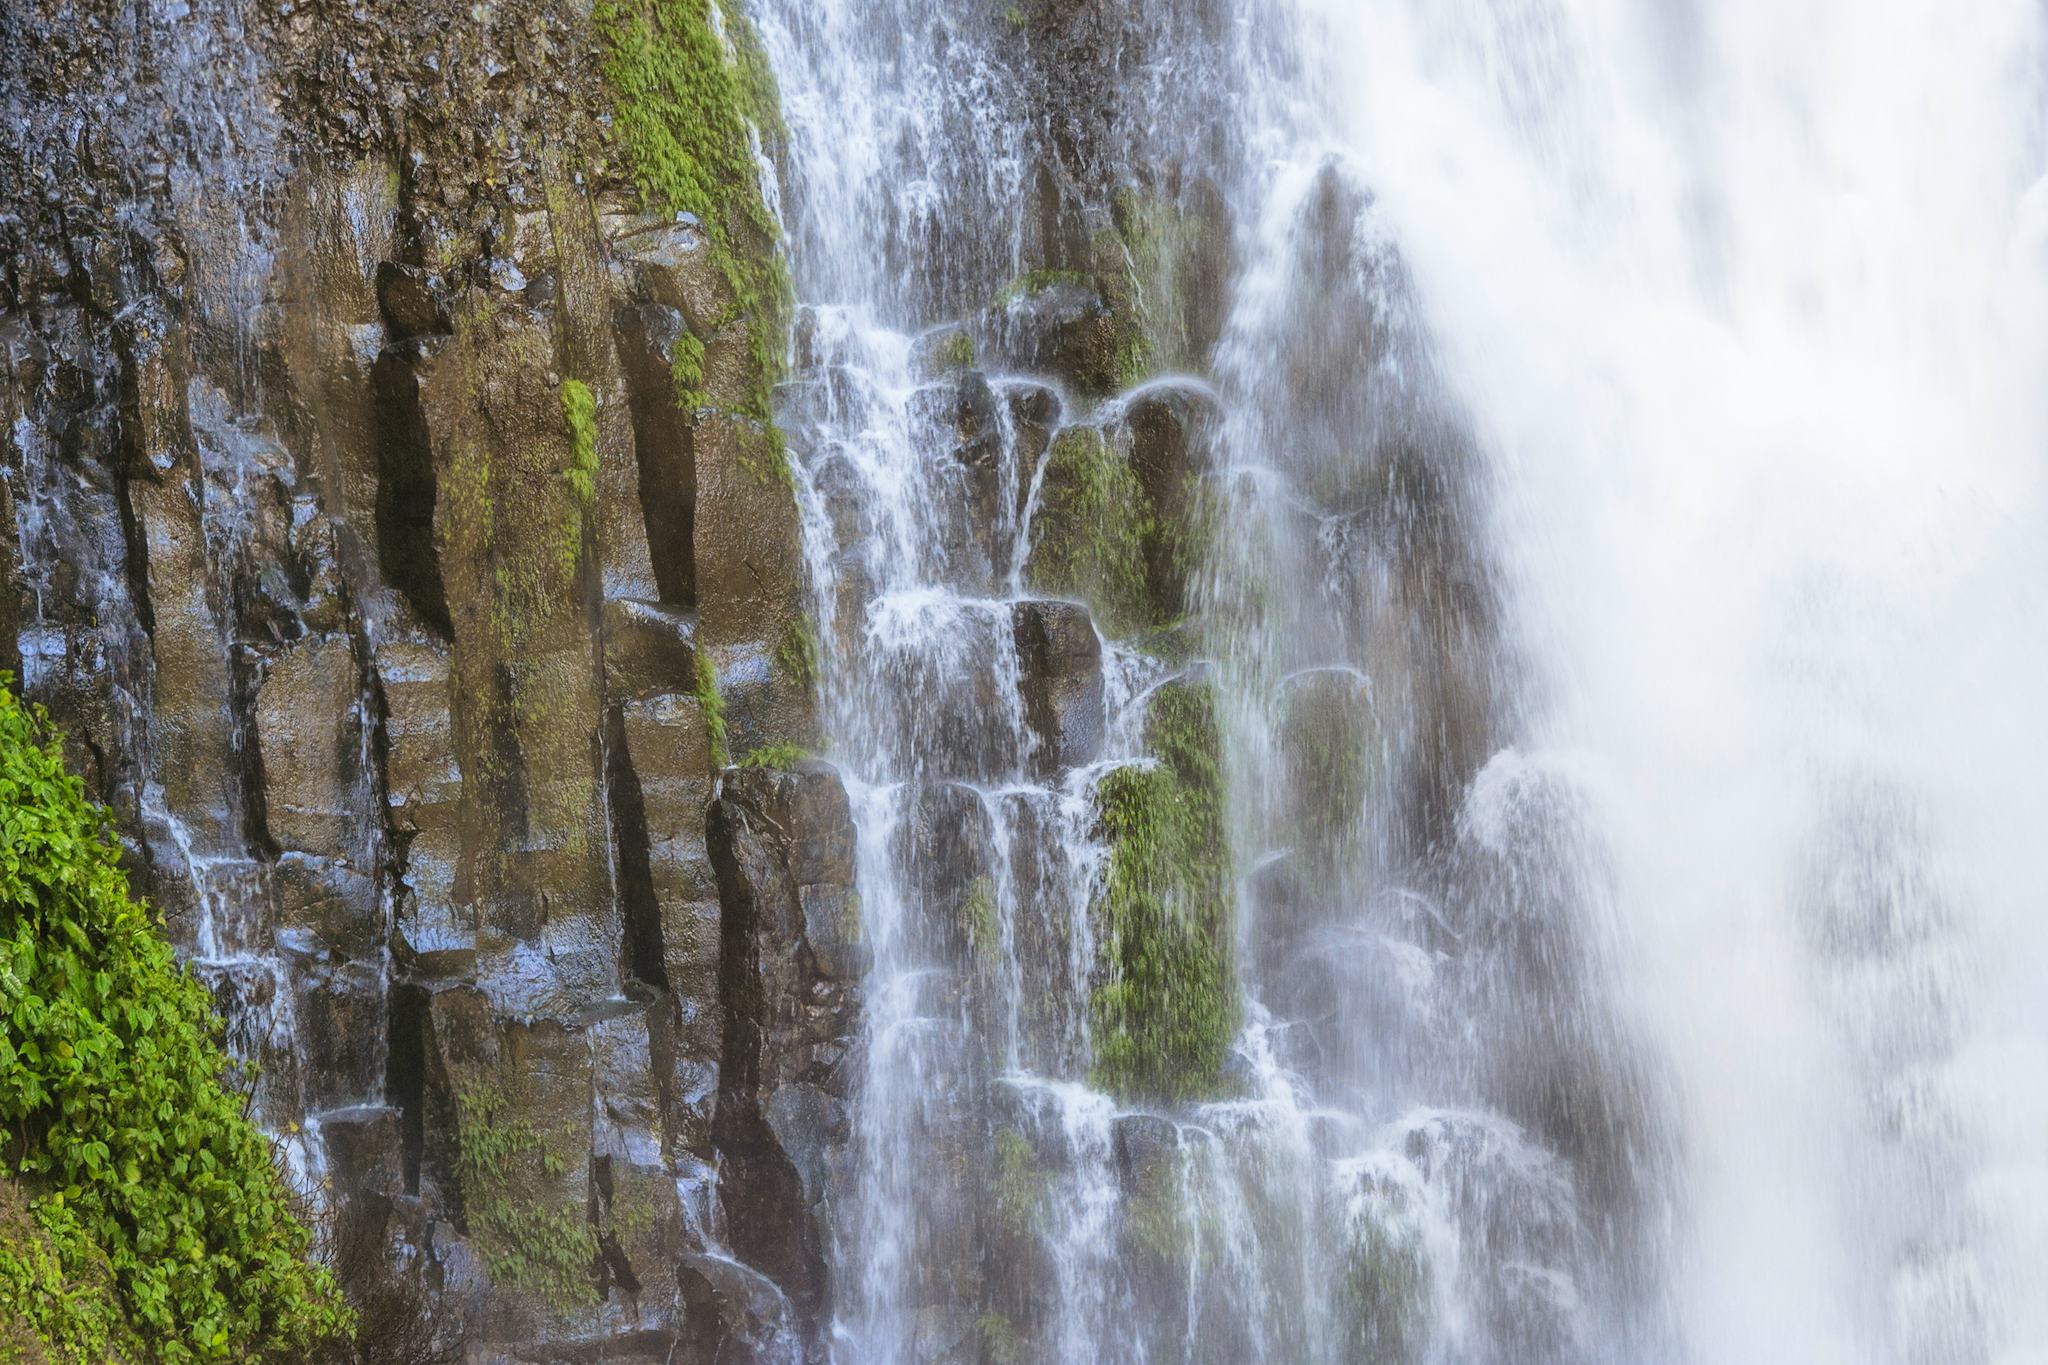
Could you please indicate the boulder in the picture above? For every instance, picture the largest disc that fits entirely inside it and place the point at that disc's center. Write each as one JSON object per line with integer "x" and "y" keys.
{"x": 1060, "y": 326}
{"x": 1059, "y": 665}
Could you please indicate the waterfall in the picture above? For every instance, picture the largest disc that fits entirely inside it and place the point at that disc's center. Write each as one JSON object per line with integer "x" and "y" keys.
{"x": 1622, "y": 618}
{"x": 1744, "y": 307}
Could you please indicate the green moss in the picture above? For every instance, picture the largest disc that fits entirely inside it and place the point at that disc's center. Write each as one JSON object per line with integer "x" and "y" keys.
{"x": 753, "y": 72}
{"x": 956, "y": 352}
{"x": 685, "y": 100}
{"x": 1090, "y": 531}
{"x": 579, "y": 415}
{"x": 1328, "y": 739}
{"x": 714, "y": 709}
{"x": 1020, "y": 1184}
{"x": 780, "y": 757}
{"x": 1142, "y": 265}
{"x": 981, "y": 921}
{"x": 1000, "y": 1344}
{"x": 1384, "y": 1295}
{"x": 1034, "y": 282}
{"x": 1166, "y": 1010}
{"x": 797, "y": 652}
{"x": 531, "y": 1241}
{"x": 686, "y": 369}
{"x": 145, "y": 1215}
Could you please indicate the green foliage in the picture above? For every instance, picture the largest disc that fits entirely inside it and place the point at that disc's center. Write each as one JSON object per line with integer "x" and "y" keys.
{"x": 1000, "y": 1344}
{"x": 685, "y": 101}
{"x": 798, "y": 650}
{"x": 1166, "y": 1009}
{"x": 156, "y": 1223}
{"x": 781, "y": 757}
{"x": 714, "y": 709}
{"x": 531, "y": 1241}
{"x": 981, "y": 921}
{"x": 1035, "y": 282}
{"x": 1090, "y": 530}
{"x": 1020, "y": 1184}
{"x": 579, "y": 414}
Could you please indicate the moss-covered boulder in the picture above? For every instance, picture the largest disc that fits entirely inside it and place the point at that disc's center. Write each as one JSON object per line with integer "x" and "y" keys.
{"x": 1123, "y": 516}
{"x": 1165, "y": 1007}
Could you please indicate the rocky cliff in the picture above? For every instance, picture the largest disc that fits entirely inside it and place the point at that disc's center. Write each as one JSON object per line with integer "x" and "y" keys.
{"x": 401, "y": 529}
{"x": 396, "y": 528}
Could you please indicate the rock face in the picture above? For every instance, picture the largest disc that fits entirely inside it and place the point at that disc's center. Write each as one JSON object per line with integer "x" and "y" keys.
{"x": 397, "y": 525}
{"x": 394, "y": 528}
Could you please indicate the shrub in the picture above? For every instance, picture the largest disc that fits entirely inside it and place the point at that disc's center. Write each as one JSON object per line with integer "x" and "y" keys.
{"x": 153, "y": 1222}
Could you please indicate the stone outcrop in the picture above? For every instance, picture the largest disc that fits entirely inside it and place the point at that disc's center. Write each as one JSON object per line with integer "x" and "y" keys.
{"x": 394, "y": 527}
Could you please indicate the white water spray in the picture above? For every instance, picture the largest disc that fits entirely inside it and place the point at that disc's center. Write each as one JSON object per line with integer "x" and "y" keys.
{"x": 1746, "y": 303}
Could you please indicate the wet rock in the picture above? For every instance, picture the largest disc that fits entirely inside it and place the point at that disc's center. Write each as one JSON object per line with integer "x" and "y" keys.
{"x": 808, "y": 1124}
{"x": 326, "y": 908}
{"x": 748, "y": 550}
{"x": 310, "y": 734}
{"x": 647, "y": 336}
{"x": 639, "y": 1213}
{"x": 649, "y": 649}
{"x": 962, "y": 407}
{"x": 733, "y": 1313}
{"x": 423, "y": 782}
{"x": 339, "y": 1011}
{"x": 362, "y": 1148}
{"x": 831, "y": 915}
{"x": 949, "y": 346}
{"x": 1059, "y": 662}
{"x": 1167, "y": 431}
{"x": 673, "y": 266}
{"x": 412, "y": 302}
{"x": 1147, "y": 1149}
{"x": 1034, "y": 414}
{"x": 1331, "y": 744}
{"x": 769, "y": 697}
{"x": 773, "y": 834}
{"x": 1060, "y": 326}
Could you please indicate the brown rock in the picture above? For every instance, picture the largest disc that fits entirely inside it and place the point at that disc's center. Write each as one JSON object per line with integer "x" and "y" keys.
{"x": 1059, "y": 661}
{"x": 308, "y": 727}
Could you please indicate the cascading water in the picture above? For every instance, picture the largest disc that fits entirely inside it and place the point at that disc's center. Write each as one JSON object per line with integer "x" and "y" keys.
{"x": 1744, "y": 305}
{"x": 1620, "y": 606}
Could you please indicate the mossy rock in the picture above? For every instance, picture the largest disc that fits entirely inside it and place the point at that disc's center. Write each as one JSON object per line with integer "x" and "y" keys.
{"x": 1089, "y": 533}
{"x": 1166, "y": 1009}
{"x": 1125, "y": 518}
{"x": 1329, "y": 739}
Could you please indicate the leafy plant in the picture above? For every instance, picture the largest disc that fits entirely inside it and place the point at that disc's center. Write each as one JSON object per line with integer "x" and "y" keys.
{"x": 154, "y": 1222}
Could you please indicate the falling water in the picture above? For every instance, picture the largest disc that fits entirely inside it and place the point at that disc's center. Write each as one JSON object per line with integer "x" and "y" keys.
{"x": 1625, "y": 436}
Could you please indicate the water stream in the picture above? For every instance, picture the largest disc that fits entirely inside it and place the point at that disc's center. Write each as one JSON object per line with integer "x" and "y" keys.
{"x": 1626, "y": 430}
